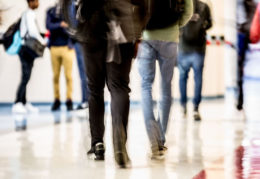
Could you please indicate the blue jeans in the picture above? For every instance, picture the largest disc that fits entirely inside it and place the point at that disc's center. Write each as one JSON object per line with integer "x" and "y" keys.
{"x": 82, "y": 73}
{"x": 166, "y": 54}
{"x": 186, "y": 61}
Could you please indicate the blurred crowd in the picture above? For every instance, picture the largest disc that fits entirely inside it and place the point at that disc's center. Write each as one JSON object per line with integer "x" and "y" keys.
{"x": 105, "y": 36}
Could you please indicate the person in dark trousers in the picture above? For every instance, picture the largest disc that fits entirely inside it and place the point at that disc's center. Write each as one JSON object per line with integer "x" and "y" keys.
{"x": 62, "y": 54}
{"x": 192, "y": 53}
{"x": 108, "y": 31}
{"x": 28, "y": 27}
{"x": 245, "y": 14}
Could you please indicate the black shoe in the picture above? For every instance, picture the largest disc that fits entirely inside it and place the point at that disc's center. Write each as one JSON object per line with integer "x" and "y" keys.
{"x": 56, "y": 105}
{"x": 98, "y": 150}
{"x": 82, "y": 106}
{"x": 122, "y": 159}
{"x": 69, "y": 105}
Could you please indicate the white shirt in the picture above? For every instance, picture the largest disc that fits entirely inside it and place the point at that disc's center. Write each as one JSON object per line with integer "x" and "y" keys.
{"x": 28, "y": 25}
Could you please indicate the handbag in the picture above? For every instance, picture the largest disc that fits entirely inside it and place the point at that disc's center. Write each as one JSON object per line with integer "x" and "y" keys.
{"x": 34, "y": 47}
{"x": 255, "y": 26}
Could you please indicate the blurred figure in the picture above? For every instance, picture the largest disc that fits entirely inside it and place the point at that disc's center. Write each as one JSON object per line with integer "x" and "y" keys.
{"x": 28, "y": 27}
{"x": 192, "y": 54}
{"x": 245, "y": 13}
{"x": 159, "y": 43}
{"x": 108, "y": 33}
{"x": 83, "y": 77}
{"x": 62, "y": 54}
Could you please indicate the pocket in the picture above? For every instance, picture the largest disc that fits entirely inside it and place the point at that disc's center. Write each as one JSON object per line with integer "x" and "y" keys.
{"x": 168, "y": 50}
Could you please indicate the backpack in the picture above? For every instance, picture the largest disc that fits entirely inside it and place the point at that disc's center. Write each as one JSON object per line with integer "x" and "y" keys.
{"x": 194, "y": 33}
{"x": 165, "y": 13}
{"x": 12, "y": 40}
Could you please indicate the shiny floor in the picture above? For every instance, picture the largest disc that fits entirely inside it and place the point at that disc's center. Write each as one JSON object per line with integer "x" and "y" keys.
{"x": 54, "y": 145}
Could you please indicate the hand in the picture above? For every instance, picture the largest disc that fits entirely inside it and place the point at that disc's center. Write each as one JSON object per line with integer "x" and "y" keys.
{"x": 64, "y": 24}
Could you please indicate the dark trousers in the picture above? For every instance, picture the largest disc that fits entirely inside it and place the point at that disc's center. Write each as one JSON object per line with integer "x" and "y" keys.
{"x": 116, "y": 76}
{"x": 27, "y": 65}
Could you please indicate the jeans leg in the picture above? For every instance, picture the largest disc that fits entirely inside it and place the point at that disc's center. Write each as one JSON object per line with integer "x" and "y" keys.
{"x": 184, "y": 68}
{"x": 82, "y": 72}
{"x": 146, "y": 66}
{"x": 198, "y": 63}
{"x": 95, "y": 55}
{"x": 27, "y": 65}
{"x": 166, "y": 69}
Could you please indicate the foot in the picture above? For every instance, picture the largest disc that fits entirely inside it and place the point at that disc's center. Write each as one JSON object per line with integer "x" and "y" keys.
{"x": 98, "y": 151}
{"x": 56, "y": 105}
{"x": 157, "y": 155}
{"x": 82, "y": 106}
{"x": 31, "y": 108}
{"x": 69, "y": 105}
{"x": 19, "y": 108}
{"x": 163, "y": 149}
{"x": 122, "y": 159}
{"x": 184, "y": 111}
{"x": 196, "y": 115}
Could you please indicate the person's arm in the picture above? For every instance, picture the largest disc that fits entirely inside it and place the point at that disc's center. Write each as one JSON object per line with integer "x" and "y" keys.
{"x": 51, "y": 25}
{"x": 187, "y": 14}
{"x": 32, "y": 29}
{"x": 208, "y": 23}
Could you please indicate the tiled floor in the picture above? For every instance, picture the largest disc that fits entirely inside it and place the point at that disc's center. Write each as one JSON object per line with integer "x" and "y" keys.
{"x": 55, "y": 145}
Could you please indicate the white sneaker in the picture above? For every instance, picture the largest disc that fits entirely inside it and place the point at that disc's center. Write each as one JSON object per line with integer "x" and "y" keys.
{"x": 19, "y": 108}
{"x": 31, "y": 108}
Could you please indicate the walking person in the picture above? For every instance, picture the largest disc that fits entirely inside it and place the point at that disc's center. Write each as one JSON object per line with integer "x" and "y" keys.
{"x": 83, "y": 77}
{"x": 108, "y": 31}
{"x": 28, "y": 27}
{"x": 192, "y": 54}
{"x": 62, "y": 55}
{"x": 160, "y": 42}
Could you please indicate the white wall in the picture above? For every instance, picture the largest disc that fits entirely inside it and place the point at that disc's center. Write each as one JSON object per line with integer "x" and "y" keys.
{"x": 40, "y": 86}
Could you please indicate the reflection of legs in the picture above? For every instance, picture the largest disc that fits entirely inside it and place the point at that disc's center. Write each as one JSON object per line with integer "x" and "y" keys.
{"x": 184, "y": 68}
{"x": 166, "y": 68}
{"x": 198, "y": 63}
{"x": 95, "y": 55}
{"x": 117, "y": 81}
{"x": 27, "y": 65}
{"x": 146, "y": 67}
{"x": 82, "y": 73}
{"x": 56, "y": 67}
{"x": 67, "y": 62}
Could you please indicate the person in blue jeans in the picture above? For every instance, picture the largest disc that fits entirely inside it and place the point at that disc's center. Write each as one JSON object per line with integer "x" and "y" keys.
{"x": 159, "y": 44}
{"x": 192, "y": 53}
{"x": 83, "y": 77}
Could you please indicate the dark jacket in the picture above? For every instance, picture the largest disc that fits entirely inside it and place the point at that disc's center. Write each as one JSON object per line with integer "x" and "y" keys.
{"x": 58, "y": 35}
{"x": 132, "y": 15}
{"x": 196, "y": 29}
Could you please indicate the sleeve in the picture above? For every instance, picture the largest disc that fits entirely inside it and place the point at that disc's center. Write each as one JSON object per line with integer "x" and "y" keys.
{"x": 51, "y": 25}
{"x": 32, "y": 27}
{"x": 187, "y": 14}
{"x": 208, "y": 23}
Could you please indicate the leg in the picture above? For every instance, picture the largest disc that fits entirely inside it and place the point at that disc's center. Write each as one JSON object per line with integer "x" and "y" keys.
{"x": 67, "y": 61}
{"x": 146, "y": 66}
{"x": 118, "y": 85}
{"x": 27, "y": 65}
{"x": 184, "y": 68}
{"x": 198, "y": 63}
{"x": 56, "y": 67}
{"x": 166, "y": 63}
{"x": 95, "y": 55}
{"x": 82, "y": 73}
